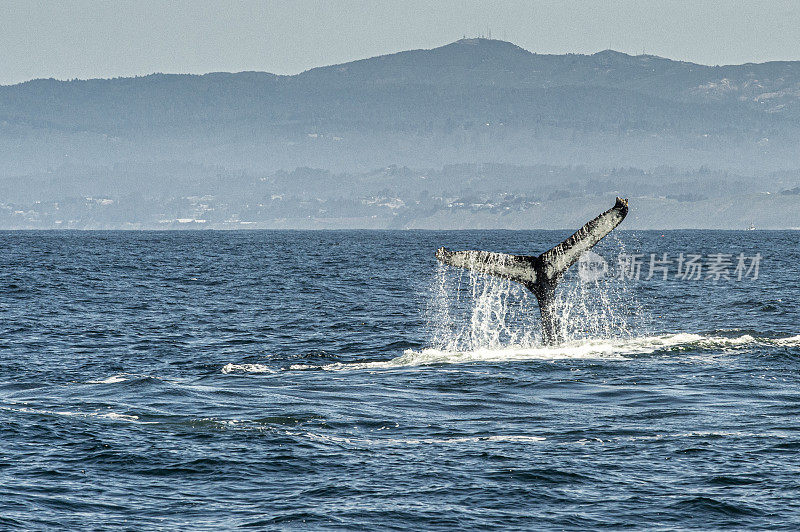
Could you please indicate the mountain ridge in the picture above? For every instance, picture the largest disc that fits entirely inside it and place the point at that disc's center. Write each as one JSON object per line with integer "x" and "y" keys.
{"x": 474, "y": 100}
{"x": 466, "y": 41}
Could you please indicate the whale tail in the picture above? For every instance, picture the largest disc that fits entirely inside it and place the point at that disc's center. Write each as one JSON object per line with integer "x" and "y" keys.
{"x": 541, "y": 273}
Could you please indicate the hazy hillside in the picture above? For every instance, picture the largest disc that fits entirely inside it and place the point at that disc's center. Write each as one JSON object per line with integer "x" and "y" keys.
{"x": 163, "y": 138}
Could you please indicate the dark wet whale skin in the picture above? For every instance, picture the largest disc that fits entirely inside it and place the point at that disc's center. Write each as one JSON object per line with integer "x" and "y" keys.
{"x": 541, "y": 273}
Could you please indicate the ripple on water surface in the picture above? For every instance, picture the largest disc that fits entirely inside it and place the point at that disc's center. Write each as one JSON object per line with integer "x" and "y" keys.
{"x": 344, "y": 380}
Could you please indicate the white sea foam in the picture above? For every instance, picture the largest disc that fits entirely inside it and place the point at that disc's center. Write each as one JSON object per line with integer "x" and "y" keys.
{"x": 121, "y": 417}
{"x": 110, "y": 380}
{"x": 69, "y": 413}
{"x": 610, "y": 349}
{"x": 792, "y": 341}
{"x": 247, "y": 368}
{"x": 720, "y": 341}
{"x": 505, "y": 438}
{"x": 303, "y": 366}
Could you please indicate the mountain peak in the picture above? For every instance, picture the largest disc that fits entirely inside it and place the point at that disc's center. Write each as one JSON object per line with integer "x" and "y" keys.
{"x": 482, "y": 41}
{"x": 454, "y": 59}
{"x": 611, "y": 53}
{"x": 483, "y": 45}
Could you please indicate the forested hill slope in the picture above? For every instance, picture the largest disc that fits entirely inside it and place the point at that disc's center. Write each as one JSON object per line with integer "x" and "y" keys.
{"x": 474, "y": 100}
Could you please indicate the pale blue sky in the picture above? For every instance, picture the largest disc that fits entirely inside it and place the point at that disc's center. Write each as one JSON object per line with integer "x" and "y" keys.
{"x": 85, "y": 39}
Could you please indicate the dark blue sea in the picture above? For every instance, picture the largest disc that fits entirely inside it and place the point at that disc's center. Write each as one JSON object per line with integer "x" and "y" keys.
{"x": 346, "y": 381}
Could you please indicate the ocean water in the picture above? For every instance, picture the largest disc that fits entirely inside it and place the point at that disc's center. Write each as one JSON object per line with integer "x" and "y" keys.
{"x": 345, "y": 380}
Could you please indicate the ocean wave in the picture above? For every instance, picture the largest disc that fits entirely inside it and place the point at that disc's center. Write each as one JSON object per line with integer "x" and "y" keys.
{"x": 610, "y": 349}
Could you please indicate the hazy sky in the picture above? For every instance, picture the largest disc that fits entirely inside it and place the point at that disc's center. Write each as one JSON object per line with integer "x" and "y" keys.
{"x": 85, "y": 39}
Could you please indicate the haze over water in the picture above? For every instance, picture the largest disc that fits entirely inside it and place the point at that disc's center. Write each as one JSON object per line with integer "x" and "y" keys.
{"x": 343, "y": 380}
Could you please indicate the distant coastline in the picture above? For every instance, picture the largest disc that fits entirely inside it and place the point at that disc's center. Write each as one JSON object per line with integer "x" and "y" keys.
{"x": 478, "y": 133}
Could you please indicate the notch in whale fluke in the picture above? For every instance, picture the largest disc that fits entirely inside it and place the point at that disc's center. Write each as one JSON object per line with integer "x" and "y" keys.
{"x": 541, "y": 273}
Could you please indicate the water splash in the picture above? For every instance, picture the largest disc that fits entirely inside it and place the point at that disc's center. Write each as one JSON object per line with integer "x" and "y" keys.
{"x": 469, "y": 311}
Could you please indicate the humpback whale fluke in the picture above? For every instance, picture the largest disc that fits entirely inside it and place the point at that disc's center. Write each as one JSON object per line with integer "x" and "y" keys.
{"x": 541, "y": 273}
